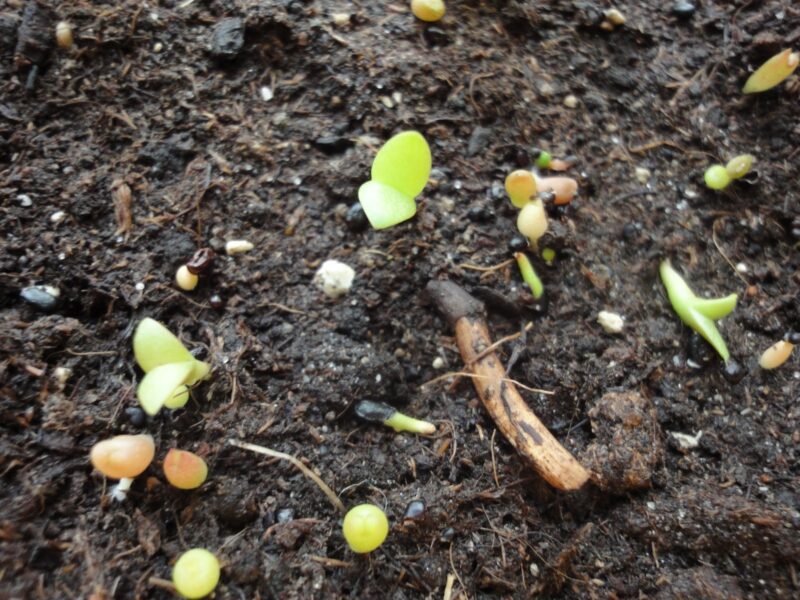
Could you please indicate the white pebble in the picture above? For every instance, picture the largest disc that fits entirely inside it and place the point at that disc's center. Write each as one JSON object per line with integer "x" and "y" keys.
{"x": 139, "y": 287}
{"x": 570, "y": 101}
{"x": 687, "y": 441}
{"x": 266, "y": 93}
{"x": 741, "y": 268}
{"x": 158, "y": 47}
{"x": 62, "y": 375}
{"x": 438, "y": 363}
{"x": 57, "y": 216}
{"x": 610, "y": 322}
{"x": 341, "y": 19}
{"x": 238, "y": 247}
{"x": 25, "y": 200}
{"x": 615, "y": 17}
{"x": 334, "y": 278}
{"x": 642, "y": 174}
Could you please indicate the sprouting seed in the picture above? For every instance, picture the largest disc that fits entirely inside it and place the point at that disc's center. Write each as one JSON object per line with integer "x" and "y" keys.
{"x": 532, "y": 220}
{"x": 717, "y": 177}
{"x": 773, "y": 72}
{"x": 428, "y": 10}
{"x": 185, "y": 279}
{"x": 196, "y": 573}
{"x": 543, "y": 160}
{"x": 739, "y": 166}
{"x": 548, "y": 255}
{"x": 399, "y": 173}
{"x": 123, "y": 456}
{"x": 365, "y": 528}
{"x": 64, "y": 35}
{"x": 776, "y": 355}
{"x": 520, "y": 187}
{"x": 379, "y": 412}
{"x": 697, "y": 313}
{"x": 185, "y": 470}
{"x": 529, "y": 275}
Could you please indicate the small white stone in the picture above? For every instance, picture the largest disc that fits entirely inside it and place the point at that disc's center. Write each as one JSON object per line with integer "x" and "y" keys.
{"x": 266, "y": 93}
{"x": 62, "y": 375}
{"x": 334, "y": 278}
{"x": 438, "y": 363}
{"x": 57, "y": 216}
{"x": 158, "y": 47}
{"x": 237, "y": 247}
{"x": 341, "y": 19}
{"x": 610, "y": 322}
{"x": 687, "y": 441}
{"x": 615, "y": 17}
{"x": 741, "y": 268}
{"x": 387, "y": 102}
{"x": 571, "y": 101}
{"x": 642, "y": 174}
{"x": 25, "y": 200}
{"x": 139, "y": 287}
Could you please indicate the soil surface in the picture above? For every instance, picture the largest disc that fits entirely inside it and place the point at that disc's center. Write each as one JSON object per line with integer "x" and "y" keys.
{"x": 166, "y": 129}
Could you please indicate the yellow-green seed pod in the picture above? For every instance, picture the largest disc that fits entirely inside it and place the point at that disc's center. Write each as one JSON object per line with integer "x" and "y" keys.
{"x": 773, "y": 72}
{"x": 196, "y": 573}
{"x": 717, "y": 177}
{"x": 739, "y": 166}
{"x": 532, "y": 220}
{"x": 428, "y": 10}
{"x": 365, "y": 528}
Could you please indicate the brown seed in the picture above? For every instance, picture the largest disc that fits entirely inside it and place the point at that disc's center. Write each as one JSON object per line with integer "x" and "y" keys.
{"x": 121, "y": 194}
{"x": 201, "y": 261}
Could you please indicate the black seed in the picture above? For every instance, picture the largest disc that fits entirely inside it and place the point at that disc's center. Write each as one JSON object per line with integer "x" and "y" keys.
{"x": 793, "y": 337}
{"x": 734, "y": 372}
{"x": 227, "y": 39}
{"x": 630, "y": 231}
{"x": 201, "y": 261}
{"x": 136, "y": 416}
{"x": 355, "y": 218}
{"x": 518, "y": 243}
{"x": 547, "y": 197}
{"x": 700, "y": 351}
{"x": 375, "y": 412}
{"x": 415, "y": 510}
{"x": 216, "y": 302}
{"x": 479, "y": 214}
{"x": 447, "y": 535}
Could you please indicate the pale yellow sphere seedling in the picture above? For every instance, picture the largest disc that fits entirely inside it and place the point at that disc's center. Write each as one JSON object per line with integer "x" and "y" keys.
{"x": 196, "y": 573}
{"x": 365, "y": 528}
{"x": 520, "y": 187}
{"x": 532, "y": 220}
{"x": 185, "y": 279}
{"x": 428, "y": 10}
{"x": 123, "y": 456}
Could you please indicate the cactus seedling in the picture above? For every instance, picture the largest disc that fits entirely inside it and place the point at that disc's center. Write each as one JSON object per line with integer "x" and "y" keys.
{"x": 196, "y": 573}
{"x": 123, "y": 457}
{"x": 718, "y": 177}
{"x": 773, "y": 72}
{"x": 529, "y": 275}
{"x": 365, "y": 528}
{"x": 169, "y": 367}
{"x": 399, "y": 173}
{"x": 520, "y": 187}
{"x": 697, "y": 313}
{"x": 383, "y": 413}
{"x": 185, "y": 470}
{"x": 532, "y": 221}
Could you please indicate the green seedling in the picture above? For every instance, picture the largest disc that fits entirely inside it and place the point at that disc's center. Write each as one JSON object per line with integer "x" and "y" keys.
{"x": 529, "y": 275}
{"x": 123, "y": 457}
{"x": 378, "y": 412}
{"x": 399, "y": 173}
{"x": 697, "y": 313}
{"x": 718, "y": 177}
{"x": 169, "y": 367}
{"x": 365, "y": 528}
{"x": 543, "y": 160}
{"x": 548, "y": 256}
{"x": 773, "y": 72}
{"x": 532, "y": 221}
{"x": 196, "y": 573}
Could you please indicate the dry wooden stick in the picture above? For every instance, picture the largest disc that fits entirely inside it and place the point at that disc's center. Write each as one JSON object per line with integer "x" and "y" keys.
{"x": 516, "y": 421}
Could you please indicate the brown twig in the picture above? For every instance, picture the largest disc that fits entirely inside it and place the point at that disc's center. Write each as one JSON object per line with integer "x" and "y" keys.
{"x": 518, "y": 423}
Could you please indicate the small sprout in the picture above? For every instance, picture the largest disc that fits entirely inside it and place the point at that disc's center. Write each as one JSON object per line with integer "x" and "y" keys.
{"x": 610, "y": 322}
{"x": 185, "y": 470}
{"x": 334, "y": 278}
{"x": 564, "y": 188}
{"x": 168, "y": 366}
{"x": 529, "y": 275}
{"x": 123, "y": 456}
{"x": 548, "y": 255}
{"x": 697, "y": 313}
{"x": 532, "y": 220}
{"x": 196, "y": 573}
{"x": 717, "y": 177}
{"x": 233, "y": 247}
{"x": 776, "y": 355}
{"x": 378, "y": 412}
{"x": 773, "y": 72}
{"x": 64, "y": 35}
{"x": 365, "y": 528}
{"x": 399, "y": 174}
{"x": 739, "y": 166}
{"x": 543, "y": 160}
{"x": 428, "y": 10}
{"x": 520, "y": 187}
{"x": 185, "y": 279}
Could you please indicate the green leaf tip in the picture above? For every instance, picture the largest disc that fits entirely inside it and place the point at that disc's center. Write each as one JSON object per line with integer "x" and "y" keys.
{"x": 400, "y": 172}
{"x": 697, "y": 313}
{"x": 529, "y": 275}
{"x": 169, "y": 367}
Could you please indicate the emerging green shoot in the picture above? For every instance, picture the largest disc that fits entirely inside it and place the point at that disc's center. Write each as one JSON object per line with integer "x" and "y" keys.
{"x": 697, "y": 313}
{"x": 739, "y": 166}
{"x": 365, "y": 528}
{"x": 196, "y": 573}
{"x": 532, "y": 220}
{"x": 399, "y": 173}
{"x": 520, "y": 187}
{"x": 773, "y": 72}
{"x": 169, "y": 367}
{"x": 378, "y": 412}
{"x": 543, "y": 160}
{"x": 529, "y": 275}
{"x": 548, "y": 255}
{"x": 428, "y": 10}
{"x": 717, "y": 177}
{"x": 185, "y": 470}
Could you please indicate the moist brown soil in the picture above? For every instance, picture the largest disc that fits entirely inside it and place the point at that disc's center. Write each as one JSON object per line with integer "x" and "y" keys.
{"x": 142, "y": 100}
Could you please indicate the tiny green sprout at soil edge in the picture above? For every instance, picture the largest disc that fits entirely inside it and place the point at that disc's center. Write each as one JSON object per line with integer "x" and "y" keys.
{"x": 529, "y": 275}
{"x": 697, "y": 313}
{"x": 379, "y": 412}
